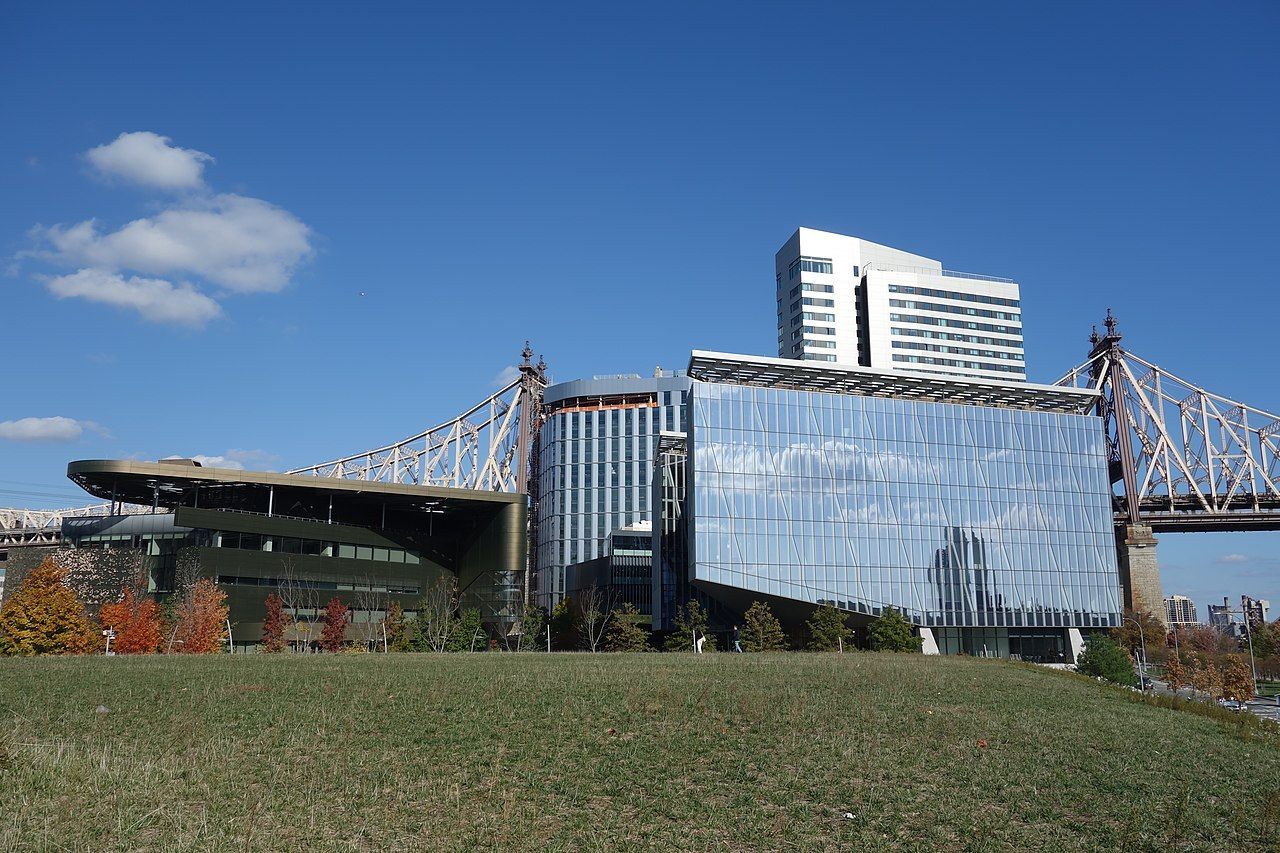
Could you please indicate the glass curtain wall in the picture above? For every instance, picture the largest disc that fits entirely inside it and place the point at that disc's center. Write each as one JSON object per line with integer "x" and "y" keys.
{"x": 960, "y": 516}
{"x": 595, "y": 467}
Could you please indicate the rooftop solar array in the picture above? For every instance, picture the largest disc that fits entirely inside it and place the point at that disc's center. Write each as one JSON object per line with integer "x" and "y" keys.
{"x": 765, "y": 372}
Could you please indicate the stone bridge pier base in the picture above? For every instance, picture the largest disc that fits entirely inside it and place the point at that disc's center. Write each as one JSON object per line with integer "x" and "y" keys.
{"x": 1139, "y": 574}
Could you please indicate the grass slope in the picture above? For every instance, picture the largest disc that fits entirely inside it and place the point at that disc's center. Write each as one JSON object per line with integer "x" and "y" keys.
{"x": 571, "y": 752}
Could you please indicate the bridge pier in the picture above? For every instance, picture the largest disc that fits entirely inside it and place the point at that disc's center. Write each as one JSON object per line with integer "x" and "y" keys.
{"x": 1139, "y": 573}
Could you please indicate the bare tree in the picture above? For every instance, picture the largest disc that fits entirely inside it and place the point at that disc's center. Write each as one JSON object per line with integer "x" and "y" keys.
{"x": 300, "y": 600}
{"x": 594, "y": 612}
{"x": 186, "y": 572}
{"x": 370, "y": 599}
{"x": 438, "y": 613}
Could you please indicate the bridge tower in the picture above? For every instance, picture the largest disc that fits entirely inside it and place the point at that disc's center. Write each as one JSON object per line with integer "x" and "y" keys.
{"x": 1135, "y": 542}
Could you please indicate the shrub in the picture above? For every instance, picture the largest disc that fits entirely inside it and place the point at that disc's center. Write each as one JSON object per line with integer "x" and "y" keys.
{"x": 1104, "y": 658}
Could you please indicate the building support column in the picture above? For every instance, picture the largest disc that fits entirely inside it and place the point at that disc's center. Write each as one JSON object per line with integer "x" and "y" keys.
{"x": 1139, "y": 573}
{"x": 930, "y": 645}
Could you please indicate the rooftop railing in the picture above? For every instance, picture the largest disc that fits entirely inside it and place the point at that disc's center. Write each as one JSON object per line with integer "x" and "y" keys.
{"x": 940, "y": 272}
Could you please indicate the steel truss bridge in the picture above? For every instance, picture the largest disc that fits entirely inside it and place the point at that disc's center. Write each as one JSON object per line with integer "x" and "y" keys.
{"x": 1182, "y": 458}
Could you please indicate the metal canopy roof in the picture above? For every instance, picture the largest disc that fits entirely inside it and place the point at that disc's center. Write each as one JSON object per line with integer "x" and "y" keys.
{"x": 765, "y": 372}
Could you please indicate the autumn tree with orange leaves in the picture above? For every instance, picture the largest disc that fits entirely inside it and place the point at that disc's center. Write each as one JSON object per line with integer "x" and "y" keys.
{"x": 202, "y": 619}
{"x": 274, "y": 624}
{"x": 136, "y": 623}
{"x": 44, "y": 617}
{"x": 335, "y": 626}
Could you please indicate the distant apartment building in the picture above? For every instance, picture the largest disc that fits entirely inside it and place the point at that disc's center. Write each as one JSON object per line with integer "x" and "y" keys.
{"x": 1254, "y": 610}
{"x": 1221, "y": 617}
{"x": 1180, "y": 610}
{"x": 847, "y": 300}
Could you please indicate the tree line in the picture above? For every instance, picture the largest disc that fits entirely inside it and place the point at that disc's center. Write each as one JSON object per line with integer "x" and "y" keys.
{"x": 1199, "y": 656}
{"x": 44, "y": 616}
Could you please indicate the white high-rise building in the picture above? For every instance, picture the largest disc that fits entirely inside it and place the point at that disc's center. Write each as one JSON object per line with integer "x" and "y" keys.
{"x": 848, "y": 300}
{"x": 1180, "y": 610}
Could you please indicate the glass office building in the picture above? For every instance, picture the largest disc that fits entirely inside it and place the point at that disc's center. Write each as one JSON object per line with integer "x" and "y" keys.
{"x": 980, "y": 510}
{"x": 595, "y": 459}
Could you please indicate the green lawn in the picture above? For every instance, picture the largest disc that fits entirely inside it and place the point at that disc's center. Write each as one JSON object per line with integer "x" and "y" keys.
{"x": 573, "y": 752}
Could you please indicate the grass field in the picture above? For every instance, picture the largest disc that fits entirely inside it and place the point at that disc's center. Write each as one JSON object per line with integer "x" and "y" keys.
{"x": 585, "y": 752}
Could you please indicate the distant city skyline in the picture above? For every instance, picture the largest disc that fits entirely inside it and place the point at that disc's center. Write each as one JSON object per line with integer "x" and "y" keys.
{"x": 348, "y": 225}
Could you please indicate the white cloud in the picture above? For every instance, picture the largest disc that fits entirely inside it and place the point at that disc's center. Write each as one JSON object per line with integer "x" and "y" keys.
{"x": 1232, "y": 558}
{"x": 244, "y": 245}
{"x": 155, "y": 299}
{"x": 174, "y": 265}
{"x": 46, "y": 429}
{"x": 236, "y": 460}
{"x": 506, "y": 376}
{"x": 148, "y": 159}
{"x": 218, "y": 462}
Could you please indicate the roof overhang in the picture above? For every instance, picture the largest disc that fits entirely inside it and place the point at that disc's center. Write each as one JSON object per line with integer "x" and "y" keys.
{"x": 136, "y": 482}
{"x": 766, "y": 372}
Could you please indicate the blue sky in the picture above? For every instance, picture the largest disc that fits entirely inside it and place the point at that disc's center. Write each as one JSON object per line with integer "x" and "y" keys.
{"x": 609, "y": 183}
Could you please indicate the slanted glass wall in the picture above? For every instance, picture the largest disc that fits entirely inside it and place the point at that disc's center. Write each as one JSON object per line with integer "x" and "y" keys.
{"x": 960, "y": 516}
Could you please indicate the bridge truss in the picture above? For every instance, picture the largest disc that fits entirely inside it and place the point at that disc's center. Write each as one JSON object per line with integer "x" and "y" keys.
{"x": 487, "y": 447}
{"x": 44, "y": 526}
{"x": 1187, "y": 458}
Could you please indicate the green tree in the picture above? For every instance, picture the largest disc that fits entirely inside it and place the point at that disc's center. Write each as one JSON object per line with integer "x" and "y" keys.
{"x": 533, "y": 630}
{"x": 1104, "y": 658}
{"x": 828, "y": 629}
{"x": 44, "y": 617}
{"x": 398, "y": 633}
{"x": 564, "y": 626}
{"x": 761, "y": 631}
{"x": 624, "y": 633}
{"x": 468, "y": 634}
{"x": 891, "y": 633}
{"x": 1266, "y": 639}
{"x": 688, "y": 619}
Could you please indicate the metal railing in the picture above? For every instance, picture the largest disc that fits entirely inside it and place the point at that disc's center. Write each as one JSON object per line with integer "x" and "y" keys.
{"x": 937, "y": 272}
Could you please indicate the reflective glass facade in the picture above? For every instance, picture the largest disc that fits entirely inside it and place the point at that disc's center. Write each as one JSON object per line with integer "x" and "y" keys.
{"x": 958, "y": 515}
{"x": 595, "y": 461}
